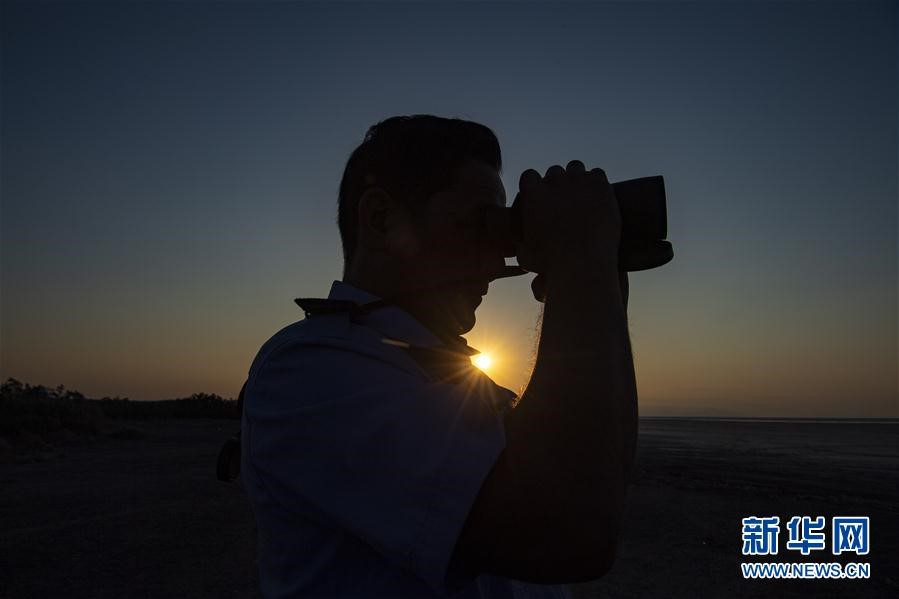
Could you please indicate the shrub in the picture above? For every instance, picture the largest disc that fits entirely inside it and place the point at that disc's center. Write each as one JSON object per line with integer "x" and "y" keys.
{"x": 35, "y": 410}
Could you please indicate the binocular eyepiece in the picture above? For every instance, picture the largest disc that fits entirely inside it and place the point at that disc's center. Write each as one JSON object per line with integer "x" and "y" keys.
{"x": 644, "y": 224}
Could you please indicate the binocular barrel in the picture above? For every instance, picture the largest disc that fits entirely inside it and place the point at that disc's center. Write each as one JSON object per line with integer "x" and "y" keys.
{"x": 644, "y": 224}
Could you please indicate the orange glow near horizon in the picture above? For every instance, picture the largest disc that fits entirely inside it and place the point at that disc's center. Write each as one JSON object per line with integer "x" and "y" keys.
{"x": 483, "y": 361}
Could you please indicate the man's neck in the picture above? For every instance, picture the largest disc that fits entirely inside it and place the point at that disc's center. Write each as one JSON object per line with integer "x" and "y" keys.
{"x": 414, "y": 302}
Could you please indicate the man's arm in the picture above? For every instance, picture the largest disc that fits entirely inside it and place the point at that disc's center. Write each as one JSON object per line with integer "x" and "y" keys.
{"x": 551, "y": 508}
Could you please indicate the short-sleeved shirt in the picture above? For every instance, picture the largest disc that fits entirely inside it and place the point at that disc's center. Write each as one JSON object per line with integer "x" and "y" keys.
{"x": 361, "y": 467}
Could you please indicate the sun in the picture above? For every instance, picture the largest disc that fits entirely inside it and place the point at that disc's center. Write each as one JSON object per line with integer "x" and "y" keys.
{"x": 482, "y": 361}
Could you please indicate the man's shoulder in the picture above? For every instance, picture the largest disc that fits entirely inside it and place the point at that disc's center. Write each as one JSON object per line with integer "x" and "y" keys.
{"x": 331, "y": 339}
{"x": 309, "y": 331}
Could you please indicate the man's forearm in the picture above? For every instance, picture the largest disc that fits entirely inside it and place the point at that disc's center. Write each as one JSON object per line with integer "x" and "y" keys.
{"x": 580, "y": 407}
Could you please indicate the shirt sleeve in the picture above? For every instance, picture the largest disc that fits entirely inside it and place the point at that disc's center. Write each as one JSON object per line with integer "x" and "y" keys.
{"x": 384, "y": 454}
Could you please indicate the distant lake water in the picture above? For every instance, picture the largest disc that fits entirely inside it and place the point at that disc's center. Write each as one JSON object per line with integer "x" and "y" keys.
{"x": 884, "y": 421}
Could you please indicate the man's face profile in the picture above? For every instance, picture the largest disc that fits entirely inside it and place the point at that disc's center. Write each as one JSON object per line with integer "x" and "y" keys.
{"x": 452, "y": 246}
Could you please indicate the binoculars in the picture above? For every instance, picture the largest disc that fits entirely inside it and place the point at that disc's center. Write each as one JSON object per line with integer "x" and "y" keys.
{"x": 644, "y": 224}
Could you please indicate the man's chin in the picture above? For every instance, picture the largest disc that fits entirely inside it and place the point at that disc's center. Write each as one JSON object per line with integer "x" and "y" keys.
{"x": 465, "y": 322}
{"x": 465, "y": 327}
{"x": 467, "y": 316}
{"x": 458, "y": 313}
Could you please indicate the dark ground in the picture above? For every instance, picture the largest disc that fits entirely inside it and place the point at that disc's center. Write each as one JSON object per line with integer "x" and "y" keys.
{"x": 145, "y": 517}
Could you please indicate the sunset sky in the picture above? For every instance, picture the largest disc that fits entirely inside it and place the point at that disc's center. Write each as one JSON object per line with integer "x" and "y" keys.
{"x": 170, "y": 175}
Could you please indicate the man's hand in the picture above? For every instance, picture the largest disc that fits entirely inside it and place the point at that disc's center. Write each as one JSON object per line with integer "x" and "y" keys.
{"x": 570, "y": 220}
{"x": 625, "y": 286}
{"x": 538, "y": 286}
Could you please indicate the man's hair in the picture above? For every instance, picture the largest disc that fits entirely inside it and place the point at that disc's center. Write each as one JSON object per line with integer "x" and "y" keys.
{"x": 411, "y": 158}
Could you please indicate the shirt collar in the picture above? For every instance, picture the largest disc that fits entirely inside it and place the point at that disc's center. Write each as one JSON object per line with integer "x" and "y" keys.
{"x": 392, "y": 321}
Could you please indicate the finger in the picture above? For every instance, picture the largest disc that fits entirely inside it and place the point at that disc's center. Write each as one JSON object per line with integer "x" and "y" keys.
{"x": 538, "y": 287}
{"x": 554, "y": 174}
{"x": 599, "y": 174}
{"x": 597, "y": 179}
{"x": 625, "y": 285}
{"x": 527, "y": 260}
{"x": 528, "y": 179}
{"x": 576, "y": 167}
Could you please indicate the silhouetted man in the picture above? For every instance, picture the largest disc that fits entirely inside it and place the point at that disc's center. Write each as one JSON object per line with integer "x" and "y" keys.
{"x": 378, "y": 461}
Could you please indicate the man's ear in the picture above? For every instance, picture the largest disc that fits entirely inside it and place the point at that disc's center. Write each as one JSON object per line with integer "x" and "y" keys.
{"x": 385, "y": 224}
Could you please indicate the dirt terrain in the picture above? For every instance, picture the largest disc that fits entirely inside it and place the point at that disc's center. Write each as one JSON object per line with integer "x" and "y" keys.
{"x": 144, "y": 516}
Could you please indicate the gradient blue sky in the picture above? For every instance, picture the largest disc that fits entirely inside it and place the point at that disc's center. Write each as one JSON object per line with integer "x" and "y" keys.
{"x": 170, "y": 175}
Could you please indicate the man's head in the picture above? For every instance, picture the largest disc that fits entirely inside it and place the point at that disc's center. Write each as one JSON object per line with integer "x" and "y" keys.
{"x": 409, "y": 203}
